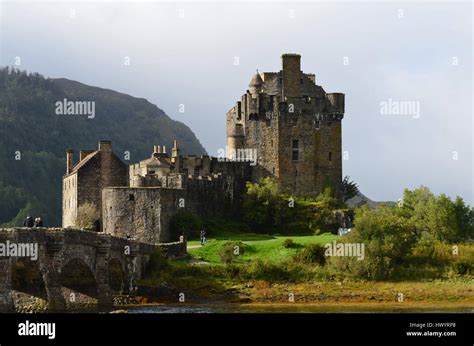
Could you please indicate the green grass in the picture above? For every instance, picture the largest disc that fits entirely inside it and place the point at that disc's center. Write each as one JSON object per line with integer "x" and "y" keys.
{"x": 257, "y": 247}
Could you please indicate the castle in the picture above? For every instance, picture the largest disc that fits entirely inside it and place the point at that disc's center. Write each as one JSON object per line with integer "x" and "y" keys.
{"x": 291, "y": 124}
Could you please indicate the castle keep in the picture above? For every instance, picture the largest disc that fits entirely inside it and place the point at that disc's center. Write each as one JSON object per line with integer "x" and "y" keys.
{"x": 285, "y": 126}
{"x": 294, "y": 126}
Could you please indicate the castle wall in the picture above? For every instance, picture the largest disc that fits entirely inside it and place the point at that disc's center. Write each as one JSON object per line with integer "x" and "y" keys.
{"x": 142, "y": 213}
{"x": 69, "y": 199}
{"x": 146, "y": 212}
{"x": 102, "y": 169}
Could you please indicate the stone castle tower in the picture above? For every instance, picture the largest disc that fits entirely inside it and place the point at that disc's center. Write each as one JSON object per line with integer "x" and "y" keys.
{"x": 294, "y": 126}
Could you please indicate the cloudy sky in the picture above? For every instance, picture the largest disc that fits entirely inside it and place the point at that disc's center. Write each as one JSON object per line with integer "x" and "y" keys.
{"x": 203, "y": 54}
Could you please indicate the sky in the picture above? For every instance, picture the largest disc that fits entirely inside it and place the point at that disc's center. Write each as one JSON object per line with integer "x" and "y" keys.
{"x": 405, "y": 68}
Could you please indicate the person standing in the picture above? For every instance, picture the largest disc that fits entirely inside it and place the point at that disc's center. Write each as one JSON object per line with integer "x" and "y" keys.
{"x": 28, "y": 221}
{"x": 203, "y": 237}
{"x": 38, "y": 222}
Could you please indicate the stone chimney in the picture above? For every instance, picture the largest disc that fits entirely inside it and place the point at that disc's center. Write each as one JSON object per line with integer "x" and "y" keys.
{"x": 175, "y": 150}
{"x": 69, "y": 160}
{"x": 156, "y": 149}
{"x": 105, "y": 146}
{"x": 164, "y": 149}
{"x": 84, "y": 153}
{"x": 175, "y": 157}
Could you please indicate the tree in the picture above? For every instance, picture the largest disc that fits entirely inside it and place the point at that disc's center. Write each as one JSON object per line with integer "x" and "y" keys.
{"x": 387, "y": 237}
{"x": 260, "y": 204}
{"x": 87, "y": 214}
{"x": 349, "y": 189}
{"x": 439, "y": 216}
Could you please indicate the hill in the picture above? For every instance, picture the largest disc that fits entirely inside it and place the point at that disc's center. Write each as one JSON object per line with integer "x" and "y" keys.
{"x": 33, "y": 138}
{"x": 360, "y": 198}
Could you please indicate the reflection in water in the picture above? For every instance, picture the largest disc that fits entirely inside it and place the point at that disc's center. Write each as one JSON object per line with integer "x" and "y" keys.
{"x": 276, "y": 308}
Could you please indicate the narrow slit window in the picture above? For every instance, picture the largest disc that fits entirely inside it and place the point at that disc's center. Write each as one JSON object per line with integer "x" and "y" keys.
{"x": 295, "y": 150}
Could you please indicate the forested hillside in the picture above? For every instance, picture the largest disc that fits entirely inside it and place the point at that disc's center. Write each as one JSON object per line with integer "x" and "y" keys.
{"x": 33, "y": 138}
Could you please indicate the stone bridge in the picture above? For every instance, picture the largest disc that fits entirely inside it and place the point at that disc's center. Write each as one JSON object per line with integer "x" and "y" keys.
{"x": 94, "y": 264}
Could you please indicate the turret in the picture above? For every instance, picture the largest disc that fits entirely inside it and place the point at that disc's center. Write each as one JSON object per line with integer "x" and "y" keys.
{"x": 255, "y": 85}
{"x": 336, "y": 103}
{"x": 235, "y": 140}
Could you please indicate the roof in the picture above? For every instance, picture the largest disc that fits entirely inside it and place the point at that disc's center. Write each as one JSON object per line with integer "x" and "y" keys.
{"x": 84, "y": 161}
{"x": 256, "y": 80}
{"x": 155, "y": 161}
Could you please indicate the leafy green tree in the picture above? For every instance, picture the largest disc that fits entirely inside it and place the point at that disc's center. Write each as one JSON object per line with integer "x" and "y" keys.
{"x": 260, "y": 205}
{"x": 439, "y": 216}
{"x": 387, "y": 237}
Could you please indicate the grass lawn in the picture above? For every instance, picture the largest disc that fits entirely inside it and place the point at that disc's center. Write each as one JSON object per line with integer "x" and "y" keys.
{"x": 256, "y": 246}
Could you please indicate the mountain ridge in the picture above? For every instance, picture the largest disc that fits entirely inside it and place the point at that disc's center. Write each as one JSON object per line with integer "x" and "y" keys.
{"x": 34, "y": 137}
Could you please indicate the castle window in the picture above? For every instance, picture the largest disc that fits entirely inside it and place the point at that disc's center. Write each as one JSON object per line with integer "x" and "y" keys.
{"x": 317, "y": 124}
{"x": 131, "y": 197}
{"x": 330, "y": 156}
{"x": 295, "y": 150}
{"x": 196, "y": 171}
{"x": 151, "y": 172}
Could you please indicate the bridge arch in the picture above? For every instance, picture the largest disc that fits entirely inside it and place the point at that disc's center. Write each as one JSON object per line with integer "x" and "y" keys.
{"x": 77, "y": 277}
{"x": 27, "y": 284}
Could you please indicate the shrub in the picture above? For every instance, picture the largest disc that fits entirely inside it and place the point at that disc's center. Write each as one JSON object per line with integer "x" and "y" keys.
{"x": 310, "y": 254}
{"x": 462, "y": 267}
{"x": 425, "y": 247}
{"x": 230, "y": 251}
{"x": 288, "y": 243}
{"x": 156, "y": 264}
{"x": 260, "y": 270}
{"x": 87, "y": 215}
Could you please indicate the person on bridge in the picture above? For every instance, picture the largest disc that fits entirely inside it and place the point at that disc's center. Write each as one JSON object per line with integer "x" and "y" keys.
{"x": 38, "y": 222}
{"x": 28, "y": 221}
